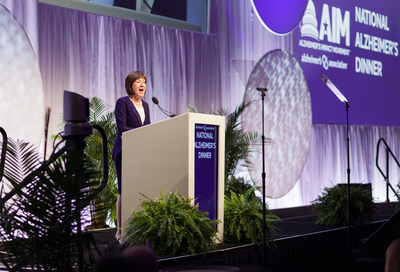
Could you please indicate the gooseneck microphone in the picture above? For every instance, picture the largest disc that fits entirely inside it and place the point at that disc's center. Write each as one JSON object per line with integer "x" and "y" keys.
{"x": 155, "y": 100}
{"x": 169, "y": 114}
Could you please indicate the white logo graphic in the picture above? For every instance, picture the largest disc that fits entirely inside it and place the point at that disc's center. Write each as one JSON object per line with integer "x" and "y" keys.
{"x": 325, "y": 62}
{"x": 333, "y": 24}
{"x": 309, "y": 23}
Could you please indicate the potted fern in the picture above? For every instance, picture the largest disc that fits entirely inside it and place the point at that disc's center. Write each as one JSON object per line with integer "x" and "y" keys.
{"x": 172, "y": 225}
{"x": 243, "y": 218}
{"x": 331, "y": 206}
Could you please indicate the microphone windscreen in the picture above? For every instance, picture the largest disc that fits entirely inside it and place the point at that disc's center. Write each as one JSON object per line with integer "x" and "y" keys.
{"x": 155, "y": 100}
{"x": 262, "y": 89}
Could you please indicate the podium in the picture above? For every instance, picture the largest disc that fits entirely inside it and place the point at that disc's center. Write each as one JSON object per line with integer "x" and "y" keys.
{"x": 184, "y": 153}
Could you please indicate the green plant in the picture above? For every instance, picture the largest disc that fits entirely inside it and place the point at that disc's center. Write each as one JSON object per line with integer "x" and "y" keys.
{"x": 102, "y": 208}
{"x": 39, "y": 223}
{"x": 173, "y": 225}
{"x": 331, "y": 206}
{"x": 238, "y": 185}
{"x": 243, "y": 217}
{"x": 237, "y": 141}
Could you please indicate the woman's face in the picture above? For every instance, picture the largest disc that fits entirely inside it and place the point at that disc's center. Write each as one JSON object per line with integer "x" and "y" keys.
{"x": 139, "y": 87}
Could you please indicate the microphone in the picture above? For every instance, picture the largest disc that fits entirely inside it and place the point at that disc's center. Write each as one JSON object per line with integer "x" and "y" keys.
{"x": 263, "y": 91}
{"x": 155, "y": 100}
{"x": 169, "y": 114}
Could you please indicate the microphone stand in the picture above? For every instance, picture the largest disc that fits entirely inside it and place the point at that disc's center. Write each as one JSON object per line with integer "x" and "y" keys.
{"x": 343, "y": 99}
{"x": 263, "y": 175}
{"x": 169, "y": 114}
{"x": 348, "y": 177}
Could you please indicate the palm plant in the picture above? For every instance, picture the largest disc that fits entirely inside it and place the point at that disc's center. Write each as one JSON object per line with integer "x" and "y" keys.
{"x": 41, "y": 205}
{"x": 237, "y": 142}
{"x": 102, "y": 208}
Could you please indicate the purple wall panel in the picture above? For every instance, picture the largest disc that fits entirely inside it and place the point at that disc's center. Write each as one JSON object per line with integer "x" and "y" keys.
{"x": 356, "y": 45}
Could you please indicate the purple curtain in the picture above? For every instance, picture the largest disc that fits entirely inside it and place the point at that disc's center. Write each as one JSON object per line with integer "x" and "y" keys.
{"x": 92, "y": 54}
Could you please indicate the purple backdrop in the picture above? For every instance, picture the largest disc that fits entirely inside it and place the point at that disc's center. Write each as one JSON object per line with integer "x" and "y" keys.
{"x": 343, "y": 39}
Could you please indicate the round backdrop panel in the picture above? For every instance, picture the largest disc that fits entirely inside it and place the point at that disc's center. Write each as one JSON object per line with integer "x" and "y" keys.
{"x": 287, "y": 123}
{"x": 21, "y": 89}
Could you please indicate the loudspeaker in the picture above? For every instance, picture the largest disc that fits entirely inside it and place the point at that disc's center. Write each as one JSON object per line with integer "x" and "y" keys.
{"x": 176, "y": 9}
{"x": 129, "y": 4}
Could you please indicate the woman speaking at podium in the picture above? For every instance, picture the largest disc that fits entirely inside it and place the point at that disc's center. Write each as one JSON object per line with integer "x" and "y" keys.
{"x": 130, "y": 112}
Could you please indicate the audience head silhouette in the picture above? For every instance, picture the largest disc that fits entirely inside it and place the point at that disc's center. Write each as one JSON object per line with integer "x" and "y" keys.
{"x": 143, "y": 258}
{"x": 392, "y": 262}
{"x": 132, "y": 259}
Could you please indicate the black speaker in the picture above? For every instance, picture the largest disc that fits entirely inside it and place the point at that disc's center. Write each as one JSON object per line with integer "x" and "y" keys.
{"x": 129, "y": 4}
{"x": 176, "y": 9}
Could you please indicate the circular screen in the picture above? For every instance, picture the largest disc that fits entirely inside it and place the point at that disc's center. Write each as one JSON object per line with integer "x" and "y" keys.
{"x": 282, "y": 16}
{"x": 287, "y": 124}
{"x": 21, "y": 89}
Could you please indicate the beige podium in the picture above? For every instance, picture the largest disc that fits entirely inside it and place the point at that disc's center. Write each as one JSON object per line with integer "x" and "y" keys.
{"x": 160, "y": 158}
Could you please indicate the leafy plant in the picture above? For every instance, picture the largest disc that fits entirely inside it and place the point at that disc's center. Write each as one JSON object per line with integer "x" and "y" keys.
{"x": 243, "y": 217}
{"x": 173, "y": 225}
{"x": 237, "y": 141}
{"x": 331, "y": 206}
{"x": 102, "y": 208}
{"x": 239, "y": 186}
{"x": 40, "y": 210}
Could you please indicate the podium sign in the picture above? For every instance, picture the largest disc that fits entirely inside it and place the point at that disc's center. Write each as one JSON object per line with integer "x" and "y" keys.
{"x": 206, "y": 168}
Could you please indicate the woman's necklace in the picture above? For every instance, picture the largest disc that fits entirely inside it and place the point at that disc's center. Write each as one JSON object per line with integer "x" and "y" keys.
{"x": 138, "y": 103}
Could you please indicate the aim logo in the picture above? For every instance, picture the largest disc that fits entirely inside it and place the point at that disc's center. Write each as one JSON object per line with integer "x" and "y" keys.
{"x": 333, "y": 24}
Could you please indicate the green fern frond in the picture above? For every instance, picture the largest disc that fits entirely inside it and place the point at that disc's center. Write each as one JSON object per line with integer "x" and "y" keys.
{"x": 173, "y": 226}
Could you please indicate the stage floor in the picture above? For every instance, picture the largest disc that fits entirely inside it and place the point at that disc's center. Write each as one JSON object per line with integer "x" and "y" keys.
{"x": 297, "y": 226}
{"x": 294, "y": 222}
